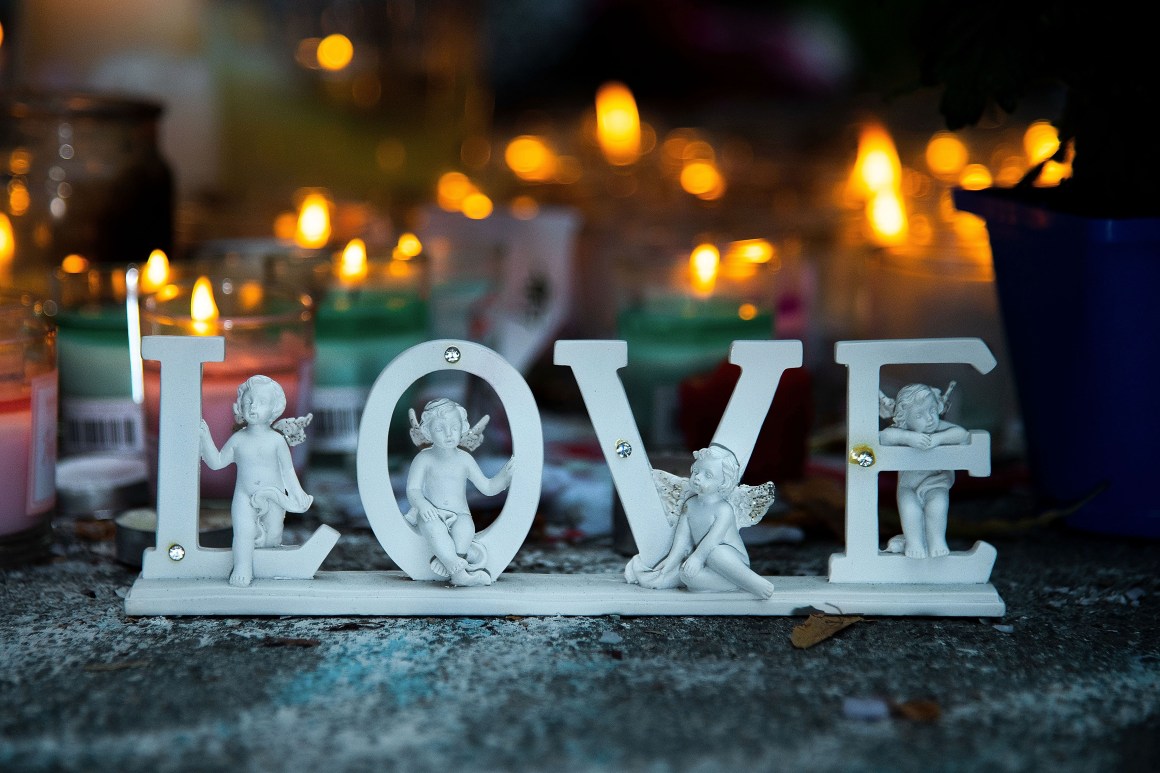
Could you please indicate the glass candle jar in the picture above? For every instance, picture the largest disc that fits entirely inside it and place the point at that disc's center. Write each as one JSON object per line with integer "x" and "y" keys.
{"x": 84, "y": 176}
{"x": 268, "y": 330}
{"x": 98, "y": 412}
{"x": 28, "y": 410}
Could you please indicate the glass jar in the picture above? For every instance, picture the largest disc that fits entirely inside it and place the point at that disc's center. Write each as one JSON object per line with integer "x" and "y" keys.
{"x": 28, "y": 386}
{"x": 83, "y": 175}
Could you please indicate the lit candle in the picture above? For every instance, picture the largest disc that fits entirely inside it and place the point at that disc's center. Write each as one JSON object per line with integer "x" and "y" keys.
{"x": 28, "y": 410}
{"x": 373, "y": 311}
{"x": 687, "y": 329}
{"x": 268, "y": 330}
{"x": 617, "y": 124}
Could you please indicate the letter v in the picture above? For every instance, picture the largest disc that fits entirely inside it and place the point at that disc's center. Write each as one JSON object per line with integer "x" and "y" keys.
{"x": 594, "y": 364}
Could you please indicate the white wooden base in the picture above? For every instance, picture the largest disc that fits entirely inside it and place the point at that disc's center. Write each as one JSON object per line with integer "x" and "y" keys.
{"x": 394, "y": 594}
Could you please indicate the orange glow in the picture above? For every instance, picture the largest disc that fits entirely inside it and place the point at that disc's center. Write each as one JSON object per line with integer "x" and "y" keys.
{"x": 352, "y": 264}
{"x": 747, "y": 311}
{"x": 156, "y": 272}
{"x": 18, "y": 198}
{"x": 946, "y": 155}
{"x": 750, "y": 251}
{"x": 530, "y": 158}
{"x": 617, "y": 124}
{"x": 74, "y": 264}
{"x": 700, "y": 178}
{"x": 250, "y": 295}
{"x": 202, "y": 307}
{"x": 408, "y": 247}
{"x": 335, "y": 52}
{"x": 452, "y": 189}
{"x": 313, "y": 230}
{"x": 400, "y": 269}
{"x": 1053, "y": 172}
{"x": 887, "y": 218}
{"x": 477, "y": 206}
{"x": 704, "y": 263}
{"x": 7, "y": 242}
{"x": 1, "y": 34}
{"x": 876, "y": 167}
{"x": 1040, "y": 141}
{"x": 975, "y": 177}
{"x": 1011, "y": 171}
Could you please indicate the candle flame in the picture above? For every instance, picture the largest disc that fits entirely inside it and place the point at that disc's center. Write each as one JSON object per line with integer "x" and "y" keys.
{"x": 703, "y": 265}
{"x": 887, "y": 218}
{"x": 477, "y": 206}
{"x": 702, "y": 179}
{"x": 975, "y": 177}
{"x": 452, "y": 189}
{"x": 334, "y": 52}
{"x": 313, "y": 222}
{"x": 617, "y": 124}
{"x": 877, "y": 167}
{"x": 352, "y": 265}
{"x": 750, "y": 251}
{"x": 1040, "y": 141}
{"x": 156, "y": 272}
{"x": 202, "y": 307}
{"x": 7, "y": 242}
{"x": 74, "y": 264}
{"x": 408, "y": 247}
{"x": 530, "y": 158}
{"x": 946, "y": 155}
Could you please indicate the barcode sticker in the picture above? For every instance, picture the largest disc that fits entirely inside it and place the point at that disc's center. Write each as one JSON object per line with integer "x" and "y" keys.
{"x": 101, "y": 424}
{"x": 337, "y": 413}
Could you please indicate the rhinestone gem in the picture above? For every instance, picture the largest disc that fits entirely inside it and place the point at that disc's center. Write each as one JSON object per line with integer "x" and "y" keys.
{"x": 176, "y": 552}
{"x": 452, "y": 354}
{"x": 623, "y": 449}
{"x": 863, "y": 456}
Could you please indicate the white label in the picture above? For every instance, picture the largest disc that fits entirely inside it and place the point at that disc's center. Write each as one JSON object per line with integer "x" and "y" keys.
{"x": 101, "y": 424}
{"x": 337, "y": 412}
{"x": 42, "y": 464}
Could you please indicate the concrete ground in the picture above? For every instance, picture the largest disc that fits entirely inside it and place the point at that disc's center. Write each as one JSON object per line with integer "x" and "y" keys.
{"x": 1069, "y": 680}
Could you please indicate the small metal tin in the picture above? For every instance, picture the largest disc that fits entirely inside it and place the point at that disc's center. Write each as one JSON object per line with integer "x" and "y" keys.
{"x": 100, "y": 485}
{"x": 137, "y": 530}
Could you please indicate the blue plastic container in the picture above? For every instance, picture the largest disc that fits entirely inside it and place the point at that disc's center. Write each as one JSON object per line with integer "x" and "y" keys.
{"x": 1080, "y": 301}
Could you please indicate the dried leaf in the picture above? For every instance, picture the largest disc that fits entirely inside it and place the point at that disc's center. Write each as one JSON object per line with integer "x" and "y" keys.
{"x": 119, "y": 665}
{"x": 281, "y": 641}
{"x": 917, "y": 710}
{"x": 818, "y": 627}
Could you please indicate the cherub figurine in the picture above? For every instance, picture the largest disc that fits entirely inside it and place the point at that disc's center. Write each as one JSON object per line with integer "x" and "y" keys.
{"x": 923, "y": 495}
{"x": 709, "y": 508}
{"x": 437, "y": 490}
{"x": 267, "y": 486}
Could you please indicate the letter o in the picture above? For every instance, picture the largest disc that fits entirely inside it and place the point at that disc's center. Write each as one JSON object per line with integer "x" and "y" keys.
{"x": 503, "y": 538}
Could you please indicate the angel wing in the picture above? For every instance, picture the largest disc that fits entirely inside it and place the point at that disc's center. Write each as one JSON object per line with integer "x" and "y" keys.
{"x": 294, "y": 430}
{"x": 885, "y": 405}
{"x": 474, "y": 436}
{"x": 674, "y": 490}
{"x": 751, "y": 503}
{"x": 416, "y": 432}
{"x": 944, "y": 399}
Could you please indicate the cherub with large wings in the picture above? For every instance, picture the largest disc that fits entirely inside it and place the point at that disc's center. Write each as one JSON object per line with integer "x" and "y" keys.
{"x": 437, "y": 490}
{"x": 267, "y": 486}
{"x": 709, "y": 508}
